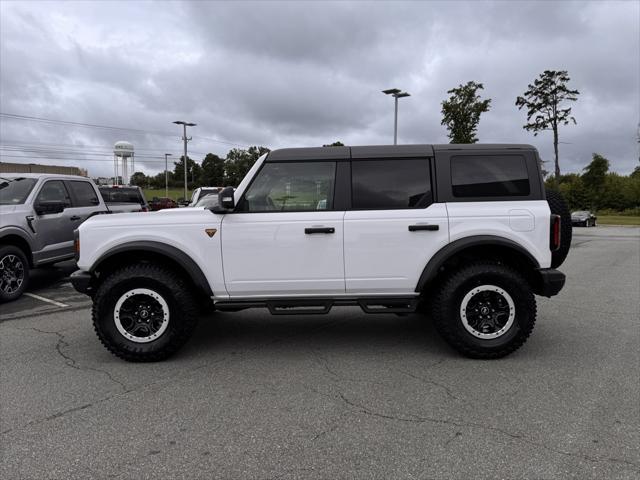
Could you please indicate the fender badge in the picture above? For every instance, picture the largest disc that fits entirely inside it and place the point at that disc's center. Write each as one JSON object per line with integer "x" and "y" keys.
{"x": 210, "y": 231}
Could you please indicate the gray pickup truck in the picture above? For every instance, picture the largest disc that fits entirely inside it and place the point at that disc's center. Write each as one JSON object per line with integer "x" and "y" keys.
{"x": 38, "y": 214}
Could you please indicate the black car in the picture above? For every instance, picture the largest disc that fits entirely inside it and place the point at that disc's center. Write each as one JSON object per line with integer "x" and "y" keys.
{"x": 583, "y": 218}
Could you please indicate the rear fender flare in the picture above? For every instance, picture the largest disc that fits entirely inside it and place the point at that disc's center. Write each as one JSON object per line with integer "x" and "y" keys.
{"x": 448, "y": 251}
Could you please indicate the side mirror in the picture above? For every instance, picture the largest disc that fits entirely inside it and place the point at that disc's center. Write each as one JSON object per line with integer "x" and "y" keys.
{"x": 225, "y": 198}
{"x": 48, "y": 207}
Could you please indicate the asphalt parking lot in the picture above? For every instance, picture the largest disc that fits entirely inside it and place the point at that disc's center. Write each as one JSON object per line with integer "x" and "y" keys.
{"x": 338, "y": 396}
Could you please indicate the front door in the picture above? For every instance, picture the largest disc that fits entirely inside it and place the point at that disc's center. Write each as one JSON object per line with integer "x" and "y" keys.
{"x": 53, "y": 231}
{"x": 285, "y": 237}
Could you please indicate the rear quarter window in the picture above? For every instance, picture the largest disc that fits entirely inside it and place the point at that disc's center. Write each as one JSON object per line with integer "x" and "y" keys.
{"x": 489, "y": 176}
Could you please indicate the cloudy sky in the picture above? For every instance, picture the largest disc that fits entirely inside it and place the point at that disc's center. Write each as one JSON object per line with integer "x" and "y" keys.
{"x": 284, "y": 74}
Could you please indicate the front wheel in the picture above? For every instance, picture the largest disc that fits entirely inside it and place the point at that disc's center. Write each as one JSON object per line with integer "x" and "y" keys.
{"x": 484, "y": 310}
{"x": 144, "y": 313}
{"x": 14, "y": 273}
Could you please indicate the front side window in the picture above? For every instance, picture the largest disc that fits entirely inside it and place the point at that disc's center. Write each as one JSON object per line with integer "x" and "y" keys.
{"x": 15, "y": 190}
{"x": 85, "y": 194}
{"x": 391, "y": 184}
{"x": 54, "y": 191}
{"x": 489, "y": 176}
{"x": 291, "y": 186}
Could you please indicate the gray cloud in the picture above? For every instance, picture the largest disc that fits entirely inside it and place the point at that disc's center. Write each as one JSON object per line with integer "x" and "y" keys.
{"x": 284, "y": 73}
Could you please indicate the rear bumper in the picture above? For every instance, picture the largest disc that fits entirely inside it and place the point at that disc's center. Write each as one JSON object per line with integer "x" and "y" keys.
{"x": 549, "y": 282}
{"x": 81, "y": 281}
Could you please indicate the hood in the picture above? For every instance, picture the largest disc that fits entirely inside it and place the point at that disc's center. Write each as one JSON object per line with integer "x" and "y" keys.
{"x": 163, "y": 218}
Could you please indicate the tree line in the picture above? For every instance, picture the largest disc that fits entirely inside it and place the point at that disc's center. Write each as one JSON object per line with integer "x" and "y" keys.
{"x": 213, "y": 171}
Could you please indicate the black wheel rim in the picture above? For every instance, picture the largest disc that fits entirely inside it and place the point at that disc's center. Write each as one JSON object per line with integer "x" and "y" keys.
{"x": 11, "y": 274}
{"x": 487, "y": 311}
{"x": 141, "y": 315}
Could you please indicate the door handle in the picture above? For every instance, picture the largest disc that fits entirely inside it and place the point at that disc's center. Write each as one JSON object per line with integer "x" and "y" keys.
{"x": 431, "y": 228}
{"x": 312, "y": 230}
{"x": 75, "y": 217}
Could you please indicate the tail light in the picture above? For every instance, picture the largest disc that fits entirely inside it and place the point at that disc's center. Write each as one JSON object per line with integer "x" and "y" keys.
{"x": 76, "y": 244}
{"x": 144, "y": 209}
{"x": 554, "y": 233}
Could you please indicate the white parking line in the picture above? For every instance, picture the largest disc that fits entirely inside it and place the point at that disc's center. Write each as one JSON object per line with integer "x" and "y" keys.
{"x": 38, "y": 297}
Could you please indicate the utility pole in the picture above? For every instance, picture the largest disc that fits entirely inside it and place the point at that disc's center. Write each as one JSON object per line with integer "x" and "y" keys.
{"x": 184, "y": 137}
{"x": 396, "y": 93}
{"x": 166, "y": 175}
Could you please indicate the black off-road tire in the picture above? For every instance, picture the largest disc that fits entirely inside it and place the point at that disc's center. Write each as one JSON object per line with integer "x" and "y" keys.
{"x": 15, "y": 255}
{"x": 558, "y": 206}
{"x": 448, "y": 298}
{"x": 182, "y": 319}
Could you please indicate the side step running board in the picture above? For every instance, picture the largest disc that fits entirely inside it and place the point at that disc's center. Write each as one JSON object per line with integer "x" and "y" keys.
{"x": 319, "y": 306}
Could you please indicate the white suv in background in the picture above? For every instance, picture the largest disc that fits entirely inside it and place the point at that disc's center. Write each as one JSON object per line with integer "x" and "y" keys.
{"x": 463, "y": 232}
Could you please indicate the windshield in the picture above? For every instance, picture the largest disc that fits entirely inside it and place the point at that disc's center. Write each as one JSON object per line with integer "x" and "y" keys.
{"x": 207, "y": 201}
{"x": 15, "y": 190}
{"x": 580, "y": 213}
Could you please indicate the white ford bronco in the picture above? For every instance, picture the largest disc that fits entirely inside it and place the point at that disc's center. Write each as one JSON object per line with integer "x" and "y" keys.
{"x": 463, "y": 233}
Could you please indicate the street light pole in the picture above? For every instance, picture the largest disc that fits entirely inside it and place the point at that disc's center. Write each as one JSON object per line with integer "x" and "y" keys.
{"x": 166, "y": 175}
{"x": 184, "y": 137}
{"x": 396, "y": 93}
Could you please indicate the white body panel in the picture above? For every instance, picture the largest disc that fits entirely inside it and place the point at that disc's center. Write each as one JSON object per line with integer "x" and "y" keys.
{"x": 383, "y": 256}
{"x": 182, "y": 230}
{"x": 270, "y": 254}
{"x": 527, "y": 223}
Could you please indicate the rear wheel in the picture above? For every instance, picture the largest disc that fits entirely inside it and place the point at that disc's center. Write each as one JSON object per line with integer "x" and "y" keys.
{"x": 14, "y": 273}
{"x": 144, "y": 313}
{"x": 484, "y": 310}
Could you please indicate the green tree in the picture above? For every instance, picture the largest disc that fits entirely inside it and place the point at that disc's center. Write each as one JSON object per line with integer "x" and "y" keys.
{"x": 544, "y": 102}
{"x": 594, "y": 179}
{"x": 193, "y": 173}
{"x": 335, "y": 144}
{"x": 461, "y": 112}
{"x": 212, "y": 171}
{"x": 239, "y": 162}
{"x": 139, "y": 179}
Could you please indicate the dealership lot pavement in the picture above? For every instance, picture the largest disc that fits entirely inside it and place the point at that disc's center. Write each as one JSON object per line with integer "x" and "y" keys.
{"x": 338, "y": 396}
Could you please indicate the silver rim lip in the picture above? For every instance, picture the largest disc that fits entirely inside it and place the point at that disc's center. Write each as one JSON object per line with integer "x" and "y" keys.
{"x": 487, "y": 288}
{"x": 6, "y": 285}
{"x": 156, "y": 297}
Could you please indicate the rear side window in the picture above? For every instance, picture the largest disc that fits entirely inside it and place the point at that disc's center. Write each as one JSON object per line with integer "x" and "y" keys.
{"x": 121, "y": 195}
{"x": 84, "y": 193}
{"x": 489, "y": 176}
{"x": 391, "y": 184}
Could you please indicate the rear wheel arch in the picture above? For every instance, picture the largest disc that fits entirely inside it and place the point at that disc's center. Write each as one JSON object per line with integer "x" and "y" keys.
{"x": 153, "y": 252}
{"x": 481, "y": 247}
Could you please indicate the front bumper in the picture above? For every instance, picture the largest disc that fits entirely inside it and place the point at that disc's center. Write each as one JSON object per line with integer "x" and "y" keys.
{"x": 81, "y": 281}
{"x": 549, "y": 282}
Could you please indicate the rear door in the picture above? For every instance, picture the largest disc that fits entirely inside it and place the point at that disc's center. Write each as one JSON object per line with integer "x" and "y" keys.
{"x": 286, "y": 236}
{"x": 393, "y": 227}
{"x": 85, "y": 202}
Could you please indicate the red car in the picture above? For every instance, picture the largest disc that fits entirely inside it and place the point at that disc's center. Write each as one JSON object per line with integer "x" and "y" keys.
{"x": 161, "y": 203}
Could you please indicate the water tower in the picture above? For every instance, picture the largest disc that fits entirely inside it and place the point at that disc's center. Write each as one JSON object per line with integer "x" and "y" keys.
{"x": 122, "y": 153}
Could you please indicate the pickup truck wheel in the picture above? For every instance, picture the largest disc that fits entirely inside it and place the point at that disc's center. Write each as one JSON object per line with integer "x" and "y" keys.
{"x": 14, "y": 273}
{"x": 484, "y": 310}
{"x": 144, "y": 313}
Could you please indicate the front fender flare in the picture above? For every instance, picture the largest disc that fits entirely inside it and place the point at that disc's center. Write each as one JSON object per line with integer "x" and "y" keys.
{"x": 185, "y": 261}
